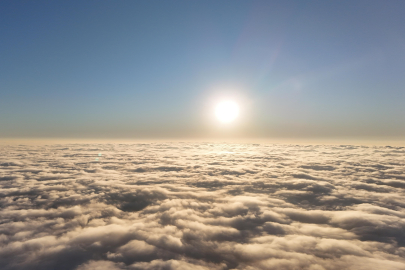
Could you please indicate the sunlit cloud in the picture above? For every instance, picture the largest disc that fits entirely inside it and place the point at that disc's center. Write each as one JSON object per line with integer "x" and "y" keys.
{"x": 201, "y": 206}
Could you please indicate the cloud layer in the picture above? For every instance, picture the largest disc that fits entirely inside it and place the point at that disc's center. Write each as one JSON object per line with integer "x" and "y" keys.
{"x": 202, "y": 206}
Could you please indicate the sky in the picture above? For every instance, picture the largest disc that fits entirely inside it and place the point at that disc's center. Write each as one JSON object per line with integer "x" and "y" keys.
{"x": 156, "y": 69}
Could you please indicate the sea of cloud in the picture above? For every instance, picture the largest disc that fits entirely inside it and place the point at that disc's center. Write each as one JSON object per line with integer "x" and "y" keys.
{"x": 201, "y": 206}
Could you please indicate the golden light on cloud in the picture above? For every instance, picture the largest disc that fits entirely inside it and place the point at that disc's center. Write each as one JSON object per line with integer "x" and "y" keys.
{"x": 227, "y": 111}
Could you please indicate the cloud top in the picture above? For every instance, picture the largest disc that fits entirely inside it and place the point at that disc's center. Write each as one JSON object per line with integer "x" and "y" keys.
{"x": 201, "y": 206}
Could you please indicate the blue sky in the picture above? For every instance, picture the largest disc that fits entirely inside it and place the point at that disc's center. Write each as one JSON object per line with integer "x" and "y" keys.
{"x": 154, "y": 69}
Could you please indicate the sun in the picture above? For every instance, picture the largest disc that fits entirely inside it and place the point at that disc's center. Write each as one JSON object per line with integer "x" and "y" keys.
{"x": 227, "y": 111}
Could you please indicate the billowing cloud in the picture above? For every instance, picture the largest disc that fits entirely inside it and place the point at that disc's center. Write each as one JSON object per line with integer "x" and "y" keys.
{"x": 201, "y": 206}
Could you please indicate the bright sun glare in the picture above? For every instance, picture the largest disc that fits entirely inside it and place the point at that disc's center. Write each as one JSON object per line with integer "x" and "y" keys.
{"x": 227, "y": 111}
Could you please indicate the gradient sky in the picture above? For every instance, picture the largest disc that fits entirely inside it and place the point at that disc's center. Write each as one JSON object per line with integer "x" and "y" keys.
{"x": 155, "y": 69}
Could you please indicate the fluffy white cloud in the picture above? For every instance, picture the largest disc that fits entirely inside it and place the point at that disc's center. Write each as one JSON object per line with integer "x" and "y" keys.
{"x": 201, "y": 206}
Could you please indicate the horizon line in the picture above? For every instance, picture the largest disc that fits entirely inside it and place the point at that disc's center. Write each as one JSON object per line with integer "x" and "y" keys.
{"x": 394, "y": 141}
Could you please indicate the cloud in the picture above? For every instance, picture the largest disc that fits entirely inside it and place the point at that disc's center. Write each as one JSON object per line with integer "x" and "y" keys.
{"x": 201, "y": 206}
